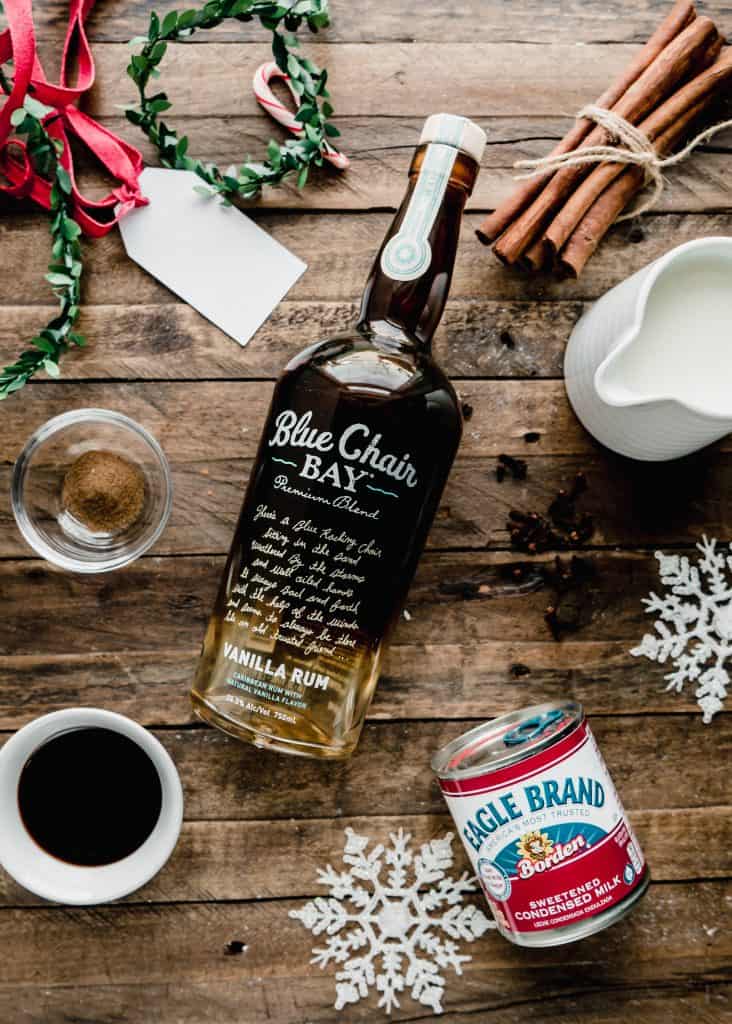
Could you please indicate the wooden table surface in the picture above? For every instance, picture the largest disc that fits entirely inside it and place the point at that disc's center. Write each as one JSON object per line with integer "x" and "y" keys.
{"x": 258, "y": 825}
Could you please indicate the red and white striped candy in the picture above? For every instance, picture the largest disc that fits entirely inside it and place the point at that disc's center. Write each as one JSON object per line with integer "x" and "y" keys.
{"x": 269, "y": 102}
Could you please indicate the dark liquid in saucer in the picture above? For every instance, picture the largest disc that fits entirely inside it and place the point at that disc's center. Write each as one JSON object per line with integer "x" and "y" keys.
{"x": 90, "y": 796}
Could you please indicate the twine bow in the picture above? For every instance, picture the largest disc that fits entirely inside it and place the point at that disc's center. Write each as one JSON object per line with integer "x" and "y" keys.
{"x": 635, "y": 148}
{"x": 18, "y": 43}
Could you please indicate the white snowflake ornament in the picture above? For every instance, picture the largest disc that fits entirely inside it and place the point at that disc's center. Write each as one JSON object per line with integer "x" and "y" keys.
{"x": 398, "y": 933}
{"x": 695, "y": 634}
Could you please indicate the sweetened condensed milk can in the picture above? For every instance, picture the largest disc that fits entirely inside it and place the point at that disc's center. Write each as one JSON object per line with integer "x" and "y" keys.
{"x": 542, "y": 824}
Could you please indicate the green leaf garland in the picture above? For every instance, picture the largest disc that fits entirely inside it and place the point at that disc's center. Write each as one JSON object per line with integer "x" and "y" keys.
{"x": 65, "y": 268}
{"x": 296, "y": 155}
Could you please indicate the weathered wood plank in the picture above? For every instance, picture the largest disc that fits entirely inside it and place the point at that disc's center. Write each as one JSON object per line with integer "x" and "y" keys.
{"x": 171, "y": 340}
{"x": 226, "y": 779}
{"x": 180, "y": 416}
{"x": 534, "y": 21}
{"x": 520, "y": 417}
{"x": 643, "y": 754}
{"x": 380, "y": 149}
{"x": 240, "y": 860}
{"x": 503, "y": 413}
{"x": 403, "y": 79}
{"x": 456, "y": 598}
{"x": 424, "y": 680}
{"x": 667, "y": 962}
{"x": 381, "y": 154}
{"x": 492, "y": 995}
{"x": 339, "y": 251}
{"x": 632, "y": 504}
{"x": 676, "y": 941}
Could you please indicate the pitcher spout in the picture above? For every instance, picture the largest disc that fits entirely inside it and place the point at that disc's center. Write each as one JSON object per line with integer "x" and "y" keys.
{"x": 648, "y": 368}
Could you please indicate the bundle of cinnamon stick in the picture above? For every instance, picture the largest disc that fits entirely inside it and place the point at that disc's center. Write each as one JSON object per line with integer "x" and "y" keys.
{"x": 556, "y": 219}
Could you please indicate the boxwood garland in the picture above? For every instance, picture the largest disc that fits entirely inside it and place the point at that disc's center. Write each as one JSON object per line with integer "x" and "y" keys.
{"x": 296, "y": 155}
{"x": 65, "y": 268}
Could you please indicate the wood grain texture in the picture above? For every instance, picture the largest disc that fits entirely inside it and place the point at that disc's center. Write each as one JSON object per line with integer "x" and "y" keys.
{"x": 123, "y": 960}
{"x": 475, "y": 644}
{"x": 226, "y": 779}
{"x": 420, "y": 680}
{"x": 380, "y": 149}
{"x": 372, "y": 21}
{"x": 493, "y": 996}
{"x": 339, "y": 250}
{"x": 456, "y": 598}
{"x": 631, "y": 504}
{"x": 503, "y": 413}
{"x": 245, "y": 860}
{"x": 169, "y": 340}
{"x": 403, "y": 79}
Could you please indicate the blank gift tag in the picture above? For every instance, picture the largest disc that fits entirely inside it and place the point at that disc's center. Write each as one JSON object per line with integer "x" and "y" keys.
{"x": 211, "y": 255}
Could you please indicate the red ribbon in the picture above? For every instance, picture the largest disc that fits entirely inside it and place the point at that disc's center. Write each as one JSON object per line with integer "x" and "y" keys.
{"x": 18, "y": 42}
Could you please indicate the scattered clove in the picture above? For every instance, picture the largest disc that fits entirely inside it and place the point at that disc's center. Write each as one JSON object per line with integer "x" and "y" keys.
{"x": 467, "y": 411}
{"x": 563, "y": 513}
{"x": 563, "y": 528}
{"x": 568, "y": 608}
{"x": 532, "y": 436}
{"x": 560, "y": 530}
{"x": 508, "y": 464}
{"x": 521, "y": 572}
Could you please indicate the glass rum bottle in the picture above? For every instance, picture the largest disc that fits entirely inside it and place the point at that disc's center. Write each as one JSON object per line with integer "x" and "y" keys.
{"x": 356, "y": 449}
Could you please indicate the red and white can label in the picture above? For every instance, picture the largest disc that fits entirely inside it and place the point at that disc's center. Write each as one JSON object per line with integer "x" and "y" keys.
{"x": 548, "y": 836}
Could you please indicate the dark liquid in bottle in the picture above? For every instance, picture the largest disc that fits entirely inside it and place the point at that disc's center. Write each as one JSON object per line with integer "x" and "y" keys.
{"x": 343, "y": 535}
{"x": 355, "y": 453}
{"x": 90, "y": 796}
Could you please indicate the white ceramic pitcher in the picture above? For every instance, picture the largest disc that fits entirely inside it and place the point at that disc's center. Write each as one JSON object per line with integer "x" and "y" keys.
{"x": 648, "y": 369}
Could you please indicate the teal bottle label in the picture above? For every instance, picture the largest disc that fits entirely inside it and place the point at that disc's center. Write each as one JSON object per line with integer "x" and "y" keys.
{"x": 408, "y": 254}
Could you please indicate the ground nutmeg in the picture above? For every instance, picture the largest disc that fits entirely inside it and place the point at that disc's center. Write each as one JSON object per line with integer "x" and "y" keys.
{"x": 104, "y": 491}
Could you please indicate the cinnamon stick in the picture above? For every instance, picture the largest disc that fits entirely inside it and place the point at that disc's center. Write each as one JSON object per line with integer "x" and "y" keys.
{"x": 653, "y": 86}
{"x": 535, "y": 257}
{"x": 598, "y": 219}
{"x": 680, "y": 15}
{"x": 654, "y": 126}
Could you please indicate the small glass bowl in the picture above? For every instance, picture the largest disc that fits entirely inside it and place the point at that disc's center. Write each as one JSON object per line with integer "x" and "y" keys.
{"x": 38, "y": 478}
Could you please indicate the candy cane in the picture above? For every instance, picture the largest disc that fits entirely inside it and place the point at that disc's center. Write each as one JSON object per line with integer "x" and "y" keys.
{"x": 269, "y": 102}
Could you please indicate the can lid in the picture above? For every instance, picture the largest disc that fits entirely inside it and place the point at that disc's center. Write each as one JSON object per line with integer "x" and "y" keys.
{"x": 507, "y": 740}
{"x": 453, "y": 130}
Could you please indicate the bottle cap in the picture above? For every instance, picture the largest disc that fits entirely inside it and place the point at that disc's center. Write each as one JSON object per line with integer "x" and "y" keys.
{"x": 453, "y": 130}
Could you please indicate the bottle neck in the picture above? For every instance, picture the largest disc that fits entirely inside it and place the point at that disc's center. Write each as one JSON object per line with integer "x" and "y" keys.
{"x": 410, "y": 279}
